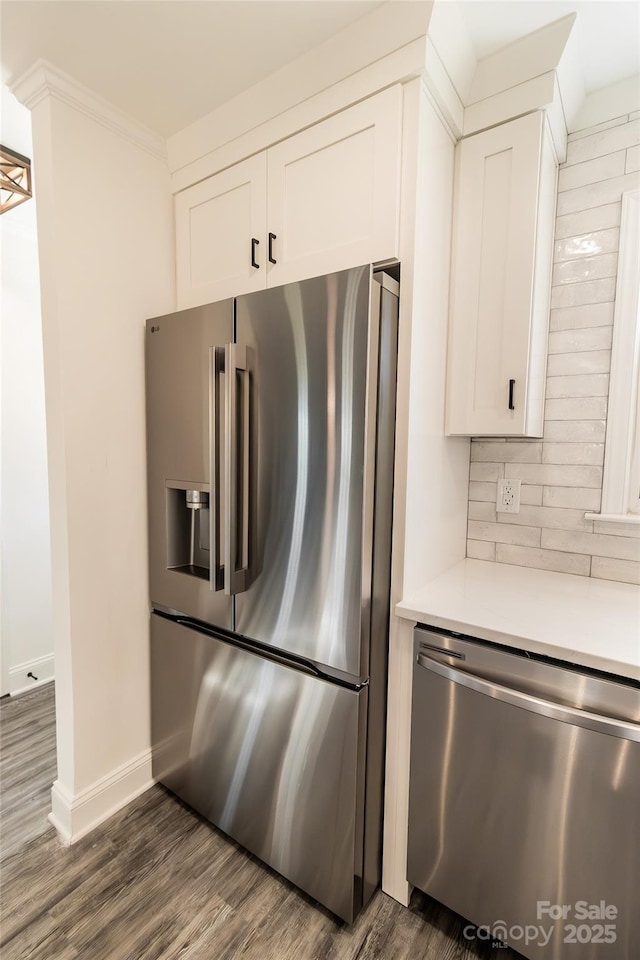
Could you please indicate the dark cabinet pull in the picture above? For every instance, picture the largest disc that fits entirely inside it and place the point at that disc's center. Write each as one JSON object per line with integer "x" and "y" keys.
{"x": 254, "y": 244}
{"x": 512, "y": 384}
{"x": 272, "y": 237}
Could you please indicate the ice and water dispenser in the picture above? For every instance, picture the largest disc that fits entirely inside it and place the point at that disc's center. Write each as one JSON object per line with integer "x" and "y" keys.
{"x": 188, "y": 529}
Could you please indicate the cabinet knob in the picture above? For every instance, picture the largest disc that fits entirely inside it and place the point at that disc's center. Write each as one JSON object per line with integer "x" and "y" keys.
{"x": 272, "y": 237}
{"x": 254, "y": 244}
{"x": 512, "y": 384}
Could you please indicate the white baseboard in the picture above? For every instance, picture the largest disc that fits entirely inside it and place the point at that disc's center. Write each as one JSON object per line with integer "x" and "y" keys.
{"x": 75, "y": 815}
{"x": 42, "y": 667}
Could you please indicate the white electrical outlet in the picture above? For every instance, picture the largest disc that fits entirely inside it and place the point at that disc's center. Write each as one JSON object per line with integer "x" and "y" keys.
{"x": 508, "y": 499}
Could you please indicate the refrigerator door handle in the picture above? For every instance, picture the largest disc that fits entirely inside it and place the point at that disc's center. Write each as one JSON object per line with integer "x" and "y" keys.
{"x": 216, "y": 367}
{"x": 236, "y": 540}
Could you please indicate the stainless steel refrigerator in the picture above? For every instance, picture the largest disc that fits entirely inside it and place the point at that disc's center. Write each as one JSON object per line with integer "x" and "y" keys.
{"x": 270, "y": 434}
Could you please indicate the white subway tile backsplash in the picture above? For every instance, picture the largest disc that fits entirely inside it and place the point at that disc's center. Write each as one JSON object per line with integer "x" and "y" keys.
{"x": 485, "y": 471}
{"x": 587, "y": 315}
{"x": 576, "y": 408}
{"x": 504, "y": 533}
{"x": 616, "y": 529}
{"x": 531, "y": 493}
{"x": 633, "y": 160}
{"x": 577, "y": 498}
{"x": 588, "y": 454}
{"x": 589, "y": 131}
{"x": 481, "y": 550}
{"x": 508, "y": 452}
{"x": 591, "y": 171}
{"x": 575, "y": 431}
{"x": 577, "y": 294}
{"x": 599, "y": 143}
{"x": 480, "y": 510}
{"x": 582, "y": 385}
{"x": 543, "y": 559}
{"x": 482, "y": 490}
{"x": 596, "y": 194}
{"x": 607, "y": 568}
{"x": 562, "y": 474}
{"x": 586, "y": 221}
{"x": 587, "y": 245}
{"x": 580, "y": 340}
{"x": 586, "y": 268}
{"x": 557, "y": 475}
{"x": 551, "y": 517}
{"x": 569, "y": 364}
{"x": 597, "y": 544}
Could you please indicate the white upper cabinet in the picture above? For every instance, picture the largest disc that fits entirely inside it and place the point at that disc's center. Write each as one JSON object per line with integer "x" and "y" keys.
{"x": 501, "y": 279}
{"x": 220, "y": 226}
{"x": 334, "y": 191}
{"x": 322, "y": 200}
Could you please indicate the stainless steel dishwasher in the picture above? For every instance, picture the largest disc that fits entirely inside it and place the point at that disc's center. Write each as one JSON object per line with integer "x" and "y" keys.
{"x": 524, "y": 801}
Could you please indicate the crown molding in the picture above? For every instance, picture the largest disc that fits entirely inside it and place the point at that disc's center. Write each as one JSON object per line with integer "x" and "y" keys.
{"x": 44, "y": 80}
{"x": 443, "y": 91}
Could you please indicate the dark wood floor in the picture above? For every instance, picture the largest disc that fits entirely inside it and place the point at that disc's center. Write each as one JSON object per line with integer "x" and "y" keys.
{"x": 157, "y": 882}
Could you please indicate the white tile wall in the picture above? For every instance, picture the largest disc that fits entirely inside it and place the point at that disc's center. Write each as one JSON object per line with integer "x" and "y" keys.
{"x": 562, "y": 474}
{"x": 589, "y": 131}
{"x": 633, "y": 160}
{"x": 580, "y": 318}
{"x": 568, "y": 364}
{"x": 595, "y": 194}
{"x": 586, "y": 268}
{"x": 599, "y": 218}
{"x": 591, "y": 171}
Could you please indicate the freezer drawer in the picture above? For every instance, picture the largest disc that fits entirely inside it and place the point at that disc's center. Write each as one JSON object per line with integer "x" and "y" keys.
{"x": 271, "y": 755}
{"x": 522, "y": 805}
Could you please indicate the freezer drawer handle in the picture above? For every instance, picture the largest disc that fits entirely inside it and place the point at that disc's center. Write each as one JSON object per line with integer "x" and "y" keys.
{"x": 517, "y": 698}
{"x": 254, "y": 245}
{"x": 216, "y": 367}
{"x": 236, "y": 561}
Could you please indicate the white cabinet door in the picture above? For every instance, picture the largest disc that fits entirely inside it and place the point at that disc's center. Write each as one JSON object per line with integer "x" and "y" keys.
{"x": 333, "y": 191}
{"x": 502, "y": 251}
{"x": 217, "y": 221}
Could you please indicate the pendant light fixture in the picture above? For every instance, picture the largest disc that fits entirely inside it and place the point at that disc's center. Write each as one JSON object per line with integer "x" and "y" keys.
{"x": 15, "y": 179}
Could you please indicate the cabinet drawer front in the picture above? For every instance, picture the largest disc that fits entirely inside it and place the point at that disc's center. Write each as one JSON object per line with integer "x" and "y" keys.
{"x": 215, "y": 221}
{"x": 334, "y": 191}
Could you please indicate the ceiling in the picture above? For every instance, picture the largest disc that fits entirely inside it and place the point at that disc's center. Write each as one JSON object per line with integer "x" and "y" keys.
{"x": 169, "y": 62}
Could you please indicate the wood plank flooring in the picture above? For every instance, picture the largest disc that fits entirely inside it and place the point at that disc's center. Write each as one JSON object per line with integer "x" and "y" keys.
{"x": 157, "y": 882}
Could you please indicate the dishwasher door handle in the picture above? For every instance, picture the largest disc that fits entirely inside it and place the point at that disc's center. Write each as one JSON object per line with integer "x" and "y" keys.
{"x": 527, "y": 701}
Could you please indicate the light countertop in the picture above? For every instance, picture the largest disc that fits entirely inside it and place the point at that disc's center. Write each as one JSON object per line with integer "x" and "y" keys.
{"x": 590, "y": 622}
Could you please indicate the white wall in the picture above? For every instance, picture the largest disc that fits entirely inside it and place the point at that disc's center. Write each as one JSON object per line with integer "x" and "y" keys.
{"x": 27, "y": 630}
{"x": 562, "y": 473}
{"x": 107, "y": 262}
